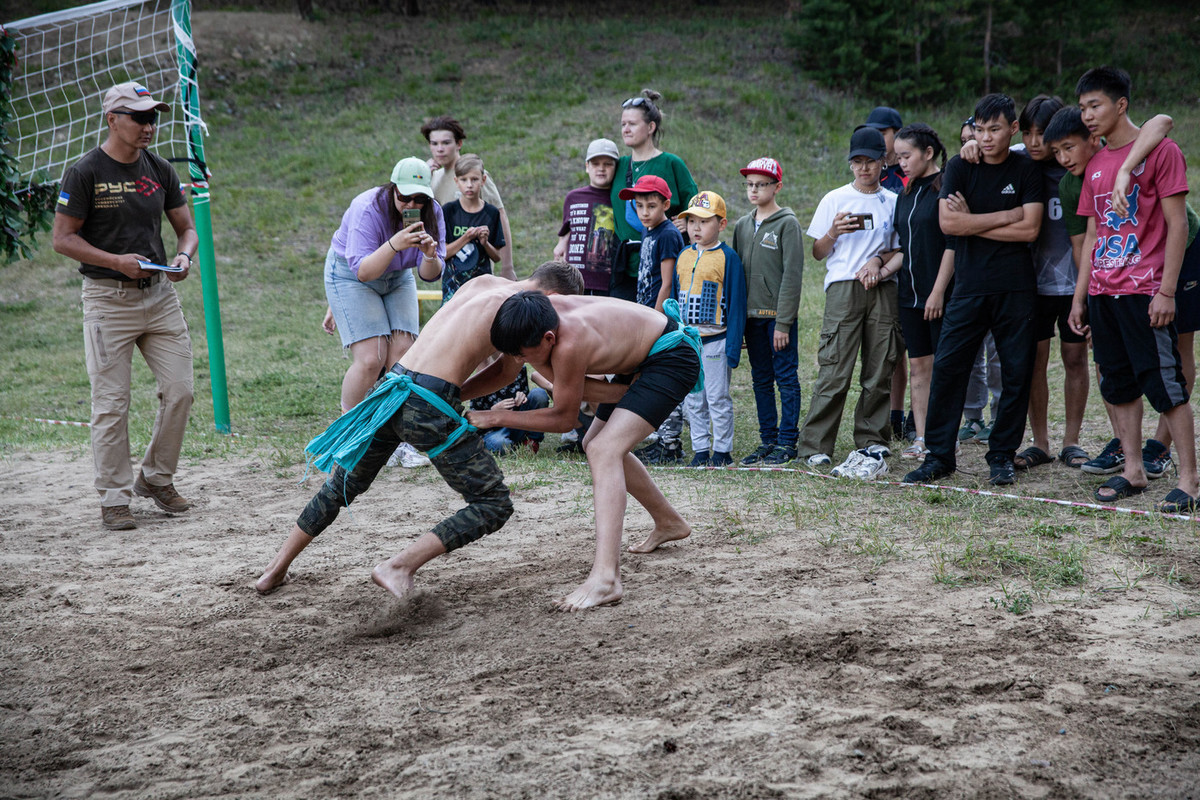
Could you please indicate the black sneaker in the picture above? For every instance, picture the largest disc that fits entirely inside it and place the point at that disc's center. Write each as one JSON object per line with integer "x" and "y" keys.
{"x": 780, "y": 454}
{"x": 720, "y": 459}
{"x": 1156, "y": 458}
{"x": 661, "y": 453}
{"x": 1003, "y": 473}
{"x": 700, "y": 459}
{"x": 930, "y": 470}
{"x": 758, "y": 455}
{"x": 1110, "y": 461}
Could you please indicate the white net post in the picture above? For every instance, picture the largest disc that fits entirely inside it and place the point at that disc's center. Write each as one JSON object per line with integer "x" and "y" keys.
{"x": 66, "y": 61}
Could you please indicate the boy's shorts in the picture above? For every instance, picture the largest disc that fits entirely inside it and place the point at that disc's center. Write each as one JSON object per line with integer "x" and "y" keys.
{"x": 662, "y": 381}
{"x": 1049, "y": 310}
{"x": 1135, "y": 359}
{"x": 1187, "y": 294}
{"x": 920, "y": 335}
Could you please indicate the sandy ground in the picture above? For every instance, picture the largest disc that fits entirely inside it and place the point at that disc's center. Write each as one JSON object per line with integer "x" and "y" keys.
{"x": 143, "y": 664}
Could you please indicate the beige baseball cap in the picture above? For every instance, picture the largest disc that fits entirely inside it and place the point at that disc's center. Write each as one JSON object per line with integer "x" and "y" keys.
{"x": 131, "y": 97}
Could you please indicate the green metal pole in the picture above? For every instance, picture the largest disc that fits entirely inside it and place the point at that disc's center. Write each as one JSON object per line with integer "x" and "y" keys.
{"x": 189, "y": 102}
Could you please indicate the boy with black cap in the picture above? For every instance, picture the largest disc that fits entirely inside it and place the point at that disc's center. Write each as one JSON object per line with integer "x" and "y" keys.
{"x": 852, "y": 228}
{"x": 887, "y": 121}
{"x": 769, "y": 242}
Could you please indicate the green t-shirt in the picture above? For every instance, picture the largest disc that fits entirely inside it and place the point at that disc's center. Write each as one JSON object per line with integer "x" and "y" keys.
{"x": 667, "y": 166}
{"x": 1069, "y": 189}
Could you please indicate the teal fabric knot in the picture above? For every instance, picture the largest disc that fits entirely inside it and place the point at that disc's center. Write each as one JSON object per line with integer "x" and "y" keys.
{"x": 685, "y": 333}
{"x": 346, "y": 441}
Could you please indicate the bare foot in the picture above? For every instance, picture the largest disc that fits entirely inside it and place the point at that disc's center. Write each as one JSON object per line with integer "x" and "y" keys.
{"x": 397, "y": 580}
{"x": 270, "y": 581}
{"x": 591, "y": 593}
{"x": 662, "y": 535}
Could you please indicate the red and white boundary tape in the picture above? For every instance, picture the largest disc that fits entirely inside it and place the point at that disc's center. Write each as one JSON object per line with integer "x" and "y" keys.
{"x": 961, "y": 490}
{"x": 940, "y": 487}
{"x": 77, "y": 424}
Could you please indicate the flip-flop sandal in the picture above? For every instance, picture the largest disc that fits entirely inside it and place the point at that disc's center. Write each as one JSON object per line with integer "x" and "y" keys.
{"x": 1031, "y": 457}
{"x": 1121, "y": 489}
{"x": 1177, "y": 501}
{"x": 1073, "y": 456}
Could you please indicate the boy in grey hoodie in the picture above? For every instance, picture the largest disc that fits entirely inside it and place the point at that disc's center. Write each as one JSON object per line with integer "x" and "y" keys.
{"x": 769, "y": 242}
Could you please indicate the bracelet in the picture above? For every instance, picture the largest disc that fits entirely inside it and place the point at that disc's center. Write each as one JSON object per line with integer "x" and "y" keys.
{"x": 389, "y": 241}
{"x": 188, "y": 256}
{"x": 1164, "y": 294}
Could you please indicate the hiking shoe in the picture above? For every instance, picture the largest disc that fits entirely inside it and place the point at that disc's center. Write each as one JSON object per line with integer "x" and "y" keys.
{"x": 1156, "y": 458}
{"x": 758, "y": 455}
{"x": 720, "y": 459}
{"x": 819, "y": 460}
{"x": 930, "y": 470}
{"x": 408, "y": 457}
{"x": 1110, "y": 461}
{"x": 984, "y": 434}
{"x": 781, "y": 454}
{"x": 661, "y": 453}
{"x": 117, "y": 518}
{"x": 1004, "y": 473}
{"x": 881, "y": 450}
{"x": 970, "y": 430}
{"x": 700, "y": 459}
{"x": 916, "y": 449}
{"x": 165, "y": 497}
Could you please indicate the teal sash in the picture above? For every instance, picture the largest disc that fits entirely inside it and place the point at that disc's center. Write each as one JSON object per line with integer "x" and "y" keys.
{"x": 683, "y": 333}
{"x": 347, "y": 439}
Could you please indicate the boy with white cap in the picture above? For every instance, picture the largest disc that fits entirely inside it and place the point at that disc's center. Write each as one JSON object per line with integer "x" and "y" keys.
{"x": 710, "y": 288}
{"x": 769, "y": 243}
{"x": 588, "y": 235}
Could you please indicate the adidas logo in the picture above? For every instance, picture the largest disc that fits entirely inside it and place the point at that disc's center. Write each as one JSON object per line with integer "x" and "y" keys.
{"x": 1008, "y": 190}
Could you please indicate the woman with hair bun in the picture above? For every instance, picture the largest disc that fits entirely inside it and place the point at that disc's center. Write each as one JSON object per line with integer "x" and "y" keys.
{"x": 641, "y": 131}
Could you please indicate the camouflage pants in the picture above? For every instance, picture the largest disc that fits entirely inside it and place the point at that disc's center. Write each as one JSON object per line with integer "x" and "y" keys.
{"x": 467, "y": 468}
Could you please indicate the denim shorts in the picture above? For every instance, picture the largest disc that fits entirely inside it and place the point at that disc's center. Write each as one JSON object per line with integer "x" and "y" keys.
{"x": 374, "y": 308}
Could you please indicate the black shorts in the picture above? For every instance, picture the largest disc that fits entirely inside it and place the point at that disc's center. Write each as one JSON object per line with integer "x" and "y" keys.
{"x": 1049, "y": 310}
{"x": 1187, "y": 295}
{"x": 920, "y": 336}
{"x": 663, "y": 380}
{"x": 1135, "y": 359}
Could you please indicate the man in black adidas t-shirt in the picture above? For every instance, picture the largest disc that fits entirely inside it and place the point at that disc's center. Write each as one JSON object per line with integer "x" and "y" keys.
{"x": 108, "y": 219}
{"x": 994, "y": 209}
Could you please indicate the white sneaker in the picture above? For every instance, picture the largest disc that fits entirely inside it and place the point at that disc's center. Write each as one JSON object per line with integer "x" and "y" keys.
{"x": 847, "y": 467}
{"x": 819, "y": 460}
{"x": 869, "y": 467}
{"x": 408, "y": 457}
{"x": 879, "y": 450}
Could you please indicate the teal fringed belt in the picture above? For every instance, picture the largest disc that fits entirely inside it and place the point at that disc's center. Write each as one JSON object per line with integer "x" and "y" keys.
{"x": 345, "y": 441}
{"x": 683, "y": 333}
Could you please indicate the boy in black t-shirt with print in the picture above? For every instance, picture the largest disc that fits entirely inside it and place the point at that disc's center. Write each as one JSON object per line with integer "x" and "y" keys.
{"x": 994, "y": 208}
{"x": 473, "y": 232}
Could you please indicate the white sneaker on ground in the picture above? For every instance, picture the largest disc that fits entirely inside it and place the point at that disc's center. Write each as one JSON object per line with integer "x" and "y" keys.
{"x": 881, "y": 450}
{"x": 819, "y": 460}
{"x": 846, "y": 468}
{"x": 408, "y": 457}
{"x": 862, "y": 465}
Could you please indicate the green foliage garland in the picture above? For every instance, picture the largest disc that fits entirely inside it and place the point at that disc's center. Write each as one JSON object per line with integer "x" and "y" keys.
{"x": 24, "y": 210}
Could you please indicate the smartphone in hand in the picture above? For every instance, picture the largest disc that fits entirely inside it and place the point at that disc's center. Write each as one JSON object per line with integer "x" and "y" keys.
{"x": 410, "y": 215}
{"x": 862, "y": 222}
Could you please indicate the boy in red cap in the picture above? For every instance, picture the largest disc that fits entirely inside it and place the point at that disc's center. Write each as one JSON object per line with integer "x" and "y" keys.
{"x": 661, "y": 244}
{"x": 769, "y": 243}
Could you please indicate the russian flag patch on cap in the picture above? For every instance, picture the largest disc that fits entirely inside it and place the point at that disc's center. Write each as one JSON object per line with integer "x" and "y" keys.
{"x": 141, "y": 91}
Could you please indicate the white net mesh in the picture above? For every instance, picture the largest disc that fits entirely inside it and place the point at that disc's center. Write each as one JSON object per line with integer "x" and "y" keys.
{"x": 66, "y": 62}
